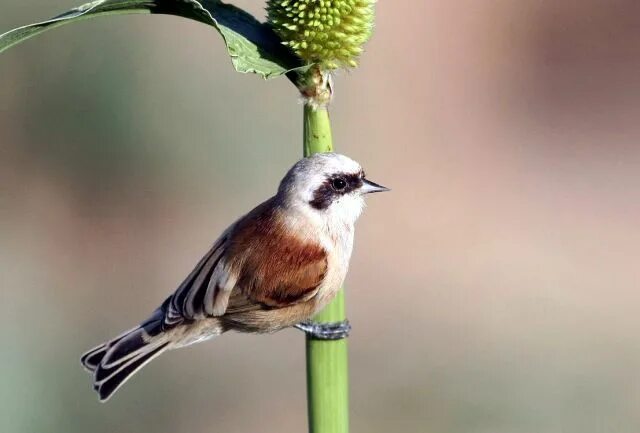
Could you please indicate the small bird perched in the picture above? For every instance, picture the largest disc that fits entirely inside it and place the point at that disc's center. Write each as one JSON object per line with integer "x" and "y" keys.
{"x": 273, "y": 268}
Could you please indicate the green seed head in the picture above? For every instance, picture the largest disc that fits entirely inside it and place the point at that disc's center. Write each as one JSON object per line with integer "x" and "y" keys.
{"x": 329, "y": 32}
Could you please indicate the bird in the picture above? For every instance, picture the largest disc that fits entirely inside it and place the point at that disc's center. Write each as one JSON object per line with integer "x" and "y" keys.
{"x": 273, "y": 268}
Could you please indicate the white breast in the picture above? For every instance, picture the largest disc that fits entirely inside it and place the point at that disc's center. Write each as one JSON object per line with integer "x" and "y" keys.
{"x": 339, "y": 245}
{"x": 334, "y": 231}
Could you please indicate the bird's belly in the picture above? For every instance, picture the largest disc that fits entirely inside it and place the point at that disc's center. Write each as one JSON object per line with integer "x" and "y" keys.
{"x": 336, "y": 269}
{"x": 269, "y": 320}
{"x": 329, "y": 287}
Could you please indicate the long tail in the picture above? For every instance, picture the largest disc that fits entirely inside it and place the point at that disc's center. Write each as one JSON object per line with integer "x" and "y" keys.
{"x": 115, "y": 361}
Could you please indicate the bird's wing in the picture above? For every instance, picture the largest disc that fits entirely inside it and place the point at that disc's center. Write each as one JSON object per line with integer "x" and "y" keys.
{"x": 195, "y": 298}
{"x": 256, "y": 264}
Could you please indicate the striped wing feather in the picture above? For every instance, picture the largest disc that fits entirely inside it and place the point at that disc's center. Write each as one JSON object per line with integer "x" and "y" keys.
{"x": 256, "y": 264}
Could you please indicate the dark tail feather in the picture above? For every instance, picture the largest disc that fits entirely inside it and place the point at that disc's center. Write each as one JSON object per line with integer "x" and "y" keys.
{"x": 117, "y": 376}
{"x": 114, "y": 362}
{"x": 92, "y": 358}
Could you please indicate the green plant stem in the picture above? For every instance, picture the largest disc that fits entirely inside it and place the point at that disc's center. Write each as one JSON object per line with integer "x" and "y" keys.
{"x": 317, "y": 131}
{"x": 327, "y": 361}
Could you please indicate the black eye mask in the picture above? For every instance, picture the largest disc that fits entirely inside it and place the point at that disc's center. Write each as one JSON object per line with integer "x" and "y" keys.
{"x": 334, "y": 187}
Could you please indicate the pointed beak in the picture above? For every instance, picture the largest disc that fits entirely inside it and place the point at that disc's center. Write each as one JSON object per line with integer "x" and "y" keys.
{"x": 368, "y": 187}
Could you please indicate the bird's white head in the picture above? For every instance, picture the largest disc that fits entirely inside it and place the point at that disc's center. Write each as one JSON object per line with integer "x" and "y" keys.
{"x": 329, "y": 185}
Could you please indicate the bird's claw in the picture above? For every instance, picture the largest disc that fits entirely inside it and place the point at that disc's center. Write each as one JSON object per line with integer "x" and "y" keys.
{"x": 325, "y": 331}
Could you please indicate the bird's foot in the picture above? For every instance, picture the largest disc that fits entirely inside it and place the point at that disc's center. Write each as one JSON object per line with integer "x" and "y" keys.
{"x": 326, "y": 331}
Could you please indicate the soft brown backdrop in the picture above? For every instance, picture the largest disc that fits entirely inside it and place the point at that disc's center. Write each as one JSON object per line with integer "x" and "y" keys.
{"x": 496, "y": 289}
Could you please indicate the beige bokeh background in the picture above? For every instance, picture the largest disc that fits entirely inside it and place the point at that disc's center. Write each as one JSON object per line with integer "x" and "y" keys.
{"x": 496, "y": 289}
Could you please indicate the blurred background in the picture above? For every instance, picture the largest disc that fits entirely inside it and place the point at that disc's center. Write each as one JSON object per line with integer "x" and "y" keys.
{"x": 496, "y": 289}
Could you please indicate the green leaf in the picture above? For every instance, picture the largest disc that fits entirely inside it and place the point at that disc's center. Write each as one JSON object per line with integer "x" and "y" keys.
{"x": 252, "y": 45}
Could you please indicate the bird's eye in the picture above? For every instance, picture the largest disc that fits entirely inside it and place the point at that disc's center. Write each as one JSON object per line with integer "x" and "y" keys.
{"x": 339, "y": 184}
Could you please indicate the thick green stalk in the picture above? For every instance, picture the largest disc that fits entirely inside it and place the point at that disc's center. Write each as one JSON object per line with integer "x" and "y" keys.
{"x": 317, "y": 131}
{"x": 327, "y": 360}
